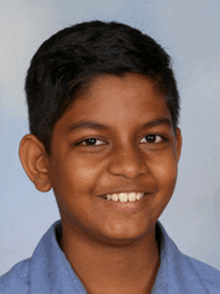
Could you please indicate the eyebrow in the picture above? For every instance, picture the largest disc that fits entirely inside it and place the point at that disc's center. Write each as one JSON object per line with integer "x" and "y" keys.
{"x": 87, "y": 124}
{"x": 156, "y": 122}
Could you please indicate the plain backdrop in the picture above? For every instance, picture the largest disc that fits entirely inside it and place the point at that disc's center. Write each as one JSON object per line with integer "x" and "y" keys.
{"x": 190, "y": 32}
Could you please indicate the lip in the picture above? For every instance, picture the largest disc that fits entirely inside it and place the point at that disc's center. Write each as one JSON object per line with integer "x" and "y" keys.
{"x": 126, "y": 206}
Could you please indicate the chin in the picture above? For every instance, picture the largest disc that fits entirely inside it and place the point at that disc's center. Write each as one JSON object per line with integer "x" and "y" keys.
{"x": 123, "y": 237}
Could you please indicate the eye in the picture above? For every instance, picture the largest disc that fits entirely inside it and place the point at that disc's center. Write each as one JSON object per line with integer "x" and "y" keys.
{"x": 91, "y": 142}
{"x": 152, "y": 139}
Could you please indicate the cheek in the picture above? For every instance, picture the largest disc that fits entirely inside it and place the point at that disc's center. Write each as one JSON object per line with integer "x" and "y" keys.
{"x": 72, "y": 183}
{"x": 73, "y": 175}
{"x": 85, "y": 173}
{"x": 165, "y": 173}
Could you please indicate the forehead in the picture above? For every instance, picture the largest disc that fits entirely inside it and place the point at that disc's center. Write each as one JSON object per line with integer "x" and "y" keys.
{"x": 118, "y": 99}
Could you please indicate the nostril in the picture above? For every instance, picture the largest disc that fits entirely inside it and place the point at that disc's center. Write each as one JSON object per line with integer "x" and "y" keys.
{"x": 127, "y": 164}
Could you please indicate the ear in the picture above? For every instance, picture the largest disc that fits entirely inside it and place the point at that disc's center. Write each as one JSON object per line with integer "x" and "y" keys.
{"x": 178, "y": 143}
{"x": 34, "y": 159}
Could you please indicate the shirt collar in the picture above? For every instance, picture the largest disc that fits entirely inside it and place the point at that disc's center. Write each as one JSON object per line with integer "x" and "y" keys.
{"x": 51, "y": 271}
{"x": 176, "y": 273}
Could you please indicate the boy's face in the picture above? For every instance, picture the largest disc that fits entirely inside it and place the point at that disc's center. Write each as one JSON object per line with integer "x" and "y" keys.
{"x": 116, "y": 138}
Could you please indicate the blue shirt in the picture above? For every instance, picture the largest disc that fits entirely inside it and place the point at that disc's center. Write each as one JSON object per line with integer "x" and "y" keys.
{"x": 48, "y": 271}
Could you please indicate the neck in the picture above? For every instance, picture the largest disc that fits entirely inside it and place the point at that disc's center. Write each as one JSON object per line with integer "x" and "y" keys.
{"x": 113, "y": 268}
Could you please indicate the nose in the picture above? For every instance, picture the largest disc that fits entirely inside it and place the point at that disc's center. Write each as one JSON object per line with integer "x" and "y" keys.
{"x": 128, "y": 162}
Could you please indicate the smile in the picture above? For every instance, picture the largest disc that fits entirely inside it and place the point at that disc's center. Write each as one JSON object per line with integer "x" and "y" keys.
{"x": 125, "y": 197}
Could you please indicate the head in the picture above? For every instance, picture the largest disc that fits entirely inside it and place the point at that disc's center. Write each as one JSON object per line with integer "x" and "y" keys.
{"x": 103, "y": 110}
{"x": 65, "y": 64}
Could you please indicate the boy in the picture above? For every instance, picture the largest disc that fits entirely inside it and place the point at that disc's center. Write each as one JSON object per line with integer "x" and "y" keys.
{"x": 103, "y": 111}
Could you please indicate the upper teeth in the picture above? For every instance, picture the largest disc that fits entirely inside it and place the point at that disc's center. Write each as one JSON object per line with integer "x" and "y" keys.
{"x": 124, "y": 197}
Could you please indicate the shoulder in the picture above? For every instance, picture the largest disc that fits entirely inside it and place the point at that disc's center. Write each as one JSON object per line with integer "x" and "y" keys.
{"x": 208, "y": 275}
{"x": 35, "y": 272}
{"x": 16, "y": 281}
{"x": 180, "y": 273}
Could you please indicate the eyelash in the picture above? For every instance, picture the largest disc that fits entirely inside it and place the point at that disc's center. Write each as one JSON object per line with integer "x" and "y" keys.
{"x": 153, "y": 137}
{"x": 90, "y": 139}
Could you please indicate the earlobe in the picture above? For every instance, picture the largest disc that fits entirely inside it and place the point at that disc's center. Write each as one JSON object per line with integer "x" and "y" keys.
{"x": 178, "y": 142}
{"x": 34, "y": 160}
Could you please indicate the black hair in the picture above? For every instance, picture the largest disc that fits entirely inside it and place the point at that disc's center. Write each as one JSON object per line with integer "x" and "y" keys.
{"x": 66, "y": 61}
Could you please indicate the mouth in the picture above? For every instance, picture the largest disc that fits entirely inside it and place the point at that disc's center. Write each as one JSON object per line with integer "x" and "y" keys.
{"x": 124, "y": 197}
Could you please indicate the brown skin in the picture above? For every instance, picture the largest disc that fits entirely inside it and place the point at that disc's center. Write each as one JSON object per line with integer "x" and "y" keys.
{"x": 112, "y": 250}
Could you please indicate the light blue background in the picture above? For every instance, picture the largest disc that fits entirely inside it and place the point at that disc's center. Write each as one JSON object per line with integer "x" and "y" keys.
{"x": 190, "y": 32}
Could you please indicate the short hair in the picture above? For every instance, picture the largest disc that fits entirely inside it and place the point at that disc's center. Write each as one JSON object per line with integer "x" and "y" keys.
{"x": 65, "y": 62}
